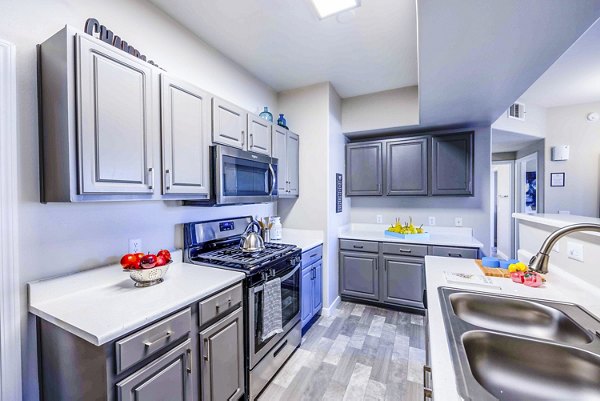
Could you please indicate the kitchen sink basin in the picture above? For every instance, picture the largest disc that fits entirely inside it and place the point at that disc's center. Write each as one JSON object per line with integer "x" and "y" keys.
{"x": 518, "y": 316}
{"x": 511, "y": 348}
{"x": 516, "y": 368}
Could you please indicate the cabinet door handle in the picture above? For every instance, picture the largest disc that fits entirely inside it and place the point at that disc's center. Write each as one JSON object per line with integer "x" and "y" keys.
{"x": 190, "y": 364}
{"x": 206, "y": 346}
{"x": 168, "y": 179}
{"x": 243, "y": 139}
{"x": 358, "y": 246}
{"x": 165, "y": 336}
{"x": 251, "y": 144}
{"x": 151, "y": 184}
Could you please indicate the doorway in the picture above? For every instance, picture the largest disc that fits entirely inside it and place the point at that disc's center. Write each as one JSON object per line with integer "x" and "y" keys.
{"x": 527, "y": 188}
{"x": 504, "y": 205}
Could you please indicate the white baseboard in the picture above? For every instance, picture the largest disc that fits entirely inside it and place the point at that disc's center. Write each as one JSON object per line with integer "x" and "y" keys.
{"x": 334, "y": 304}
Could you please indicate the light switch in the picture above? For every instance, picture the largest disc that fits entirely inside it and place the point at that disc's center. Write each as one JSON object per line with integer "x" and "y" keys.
{"x": 575, "y": 251}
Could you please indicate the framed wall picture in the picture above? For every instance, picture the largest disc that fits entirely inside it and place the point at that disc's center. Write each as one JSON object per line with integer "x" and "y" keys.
{"x": 557, "y": 179}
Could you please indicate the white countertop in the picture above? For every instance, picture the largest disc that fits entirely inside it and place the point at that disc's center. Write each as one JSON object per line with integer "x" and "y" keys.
{"x": 100, "y": 305}
{"x": 558, "y": 220}
{"x": 444, "y": 236}
{"x": 304, "y": 239}
{"x": 560, "y": 286}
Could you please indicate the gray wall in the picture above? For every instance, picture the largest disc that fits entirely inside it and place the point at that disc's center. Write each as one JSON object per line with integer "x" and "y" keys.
{"x": 57, "y": 239}
{"x": 475, "y": 211}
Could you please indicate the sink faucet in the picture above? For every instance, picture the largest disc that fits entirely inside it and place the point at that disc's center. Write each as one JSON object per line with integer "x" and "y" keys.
{"x": 539, "y": 262}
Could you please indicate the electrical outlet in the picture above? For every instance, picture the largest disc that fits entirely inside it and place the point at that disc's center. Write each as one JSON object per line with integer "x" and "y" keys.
{"x": 575, "y": 251}
{"x": 135, "y": 245}
{"x": 379, "y": 219}
{"x": 458, "y": 221}
{"x": 431, "y": 220}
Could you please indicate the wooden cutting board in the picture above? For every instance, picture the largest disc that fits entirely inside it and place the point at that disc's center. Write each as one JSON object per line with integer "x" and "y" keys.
{"x": 495, "y": 271}
{"x": 492, "y": 271}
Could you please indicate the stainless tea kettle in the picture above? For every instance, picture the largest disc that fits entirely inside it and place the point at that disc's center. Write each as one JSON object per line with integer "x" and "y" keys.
{"x": 251, "y": 240}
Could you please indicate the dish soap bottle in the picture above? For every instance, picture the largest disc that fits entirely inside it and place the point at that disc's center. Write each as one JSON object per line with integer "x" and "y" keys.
{"x": 276, "y": 228}
{"x": 266, "y": 114}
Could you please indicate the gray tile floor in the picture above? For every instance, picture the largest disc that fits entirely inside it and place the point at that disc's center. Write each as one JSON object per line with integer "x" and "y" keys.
{"x": 358, "y": 353}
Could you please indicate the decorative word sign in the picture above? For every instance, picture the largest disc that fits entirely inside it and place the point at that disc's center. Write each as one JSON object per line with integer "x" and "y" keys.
{"x": 106, "y": 35}
{"x": 338, "y": 193}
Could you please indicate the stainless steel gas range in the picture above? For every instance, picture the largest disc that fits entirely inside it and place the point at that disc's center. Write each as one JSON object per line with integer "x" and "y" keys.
{"x": 216, "y": 243}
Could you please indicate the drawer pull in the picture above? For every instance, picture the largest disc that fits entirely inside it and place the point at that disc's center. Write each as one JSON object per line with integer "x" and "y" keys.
{"x": 455, "y": 255}
{"x": 189, "y": 354}
{"x": 218, "y": 306}
{"x": 313, "y": 255}
{"x": 358, "y": 246}
{"x": 404, "y": 250}
{"x": 206, "y": 346}
{"x": 165, "y": 336}
{"x": 280, "y": 348}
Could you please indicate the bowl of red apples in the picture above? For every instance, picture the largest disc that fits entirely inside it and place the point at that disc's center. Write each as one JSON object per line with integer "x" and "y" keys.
{"x": 147, "y": 269}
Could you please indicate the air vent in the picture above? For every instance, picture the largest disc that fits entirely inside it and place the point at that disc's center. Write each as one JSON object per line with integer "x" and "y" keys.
{"x": 517, "y": 111}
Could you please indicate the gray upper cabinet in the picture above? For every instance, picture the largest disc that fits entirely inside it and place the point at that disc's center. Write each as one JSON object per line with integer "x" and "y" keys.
{"x": 279, "y": 140}
{"x": 359, "y": 275}
{"x": 293, "y": 164}
{"x": 259, "y": 135}
{"x": 222, "y": 359}
{"x": 286, "y": 149}
{"x": 228, "y": 124}
{"x": 167, "y": 378}
{"x": 406, "y": 167}
{"x": 364, "y": 169}
{"x": 452, "y": 164}
{"x": 185, "y": 116}
{"x": 403, "y": 281}
{"x": 116, "y": 135}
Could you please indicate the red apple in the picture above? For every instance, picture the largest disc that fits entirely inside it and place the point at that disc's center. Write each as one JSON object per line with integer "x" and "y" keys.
{"x": 161, "y": 260}
{"x": 130, "y": 261}
{"x": 164, "y": 253}
{"x": 148, "y": 261}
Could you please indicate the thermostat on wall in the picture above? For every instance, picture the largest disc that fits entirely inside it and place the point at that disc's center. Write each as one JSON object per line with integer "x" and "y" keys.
{"x": 560, "y": 152}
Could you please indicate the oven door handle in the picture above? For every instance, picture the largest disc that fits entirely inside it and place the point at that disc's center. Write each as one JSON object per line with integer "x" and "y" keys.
{"x": 290, "y": 274}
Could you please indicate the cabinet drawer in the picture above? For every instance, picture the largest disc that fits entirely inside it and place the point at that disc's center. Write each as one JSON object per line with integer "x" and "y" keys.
{"x": 146, "y": 342}
{"x": 396, "y": 248}
{"x": 468, "y": 253}
{"x": 312, "y": 255}
{"x": 361, "y": 246}
{"x": 219, "y": 304}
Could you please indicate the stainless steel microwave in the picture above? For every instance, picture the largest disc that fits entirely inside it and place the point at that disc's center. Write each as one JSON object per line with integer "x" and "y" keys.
{"x": 243, "y": 177}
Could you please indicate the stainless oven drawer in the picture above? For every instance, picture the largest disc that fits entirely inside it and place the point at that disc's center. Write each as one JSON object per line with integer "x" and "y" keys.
{"x": 219, "y": 304}
{"x": 264, "y": 371}
{"x": 146, "y": 342}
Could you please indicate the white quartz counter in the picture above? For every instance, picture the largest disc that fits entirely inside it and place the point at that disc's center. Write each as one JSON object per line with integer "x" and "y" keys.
{"x": 561, "y": 286}
{"x": 558, "y": 220}
{"x": 304, "y": 239}
{"x": 100, "y": 305}
{"x": 443, "y": 236}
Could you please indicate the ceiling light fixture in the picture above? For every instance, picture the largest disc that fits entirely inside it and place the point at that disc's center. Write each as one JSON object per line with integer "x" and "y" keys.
{"x": 327, "y": 8}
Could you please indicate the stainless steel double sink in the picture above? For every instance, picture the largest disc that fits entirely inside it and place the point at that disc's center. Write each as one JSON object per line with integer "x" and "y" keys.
{"x": 511, "y": 348}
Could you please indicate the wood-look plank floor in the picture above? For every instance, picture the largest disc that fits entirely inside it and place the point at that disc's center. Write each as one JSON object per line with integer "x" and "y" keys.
{"x": 358, "y": 353}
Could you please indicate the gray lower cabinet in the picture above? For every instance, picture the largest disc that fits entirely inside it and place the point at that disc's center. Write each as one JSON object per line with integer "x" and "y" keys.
{"x": 359, "y": 274}
{"x": 364, "y": 169}
{"x": 185, "y": 117}
{"x": 452, "y": 164}
{"x": 406, "y": 167}
{"x": 222, "y": 359}
{"x": 167, "y": 378}
{"x": 403, "y": 281}
{"x": 311, "y": 287}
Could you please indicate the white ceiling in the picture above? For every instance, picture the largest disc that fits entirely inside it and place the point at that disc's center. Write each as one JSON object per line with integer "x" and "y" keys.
{"x": 283, "y": 43}
{"x": 505, "y": 141}
{"x": 574, "y": 78}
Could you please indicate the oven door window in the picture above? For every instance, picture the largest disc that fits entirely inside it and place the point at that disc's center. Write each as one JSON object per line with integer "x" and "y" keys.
{"x": 290, "y": 307}
{"x": 243, "y": 177}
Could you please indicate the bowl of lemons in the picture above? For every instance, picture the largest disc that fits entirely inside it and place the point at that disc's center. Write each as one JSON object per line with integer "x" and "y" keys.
{"x": 406, "y": 231}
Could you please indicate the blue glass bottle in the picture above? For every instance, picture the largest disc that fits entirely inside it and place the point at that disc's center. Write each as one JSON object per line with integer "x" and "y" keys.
{"x": 281, "y": 121}
{"x": 266, "y": 114}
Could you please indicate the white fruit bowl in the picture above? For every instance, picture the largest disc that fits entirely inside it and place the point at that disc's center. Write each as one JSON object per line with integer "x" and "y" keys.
{"x": 148, "y": 277}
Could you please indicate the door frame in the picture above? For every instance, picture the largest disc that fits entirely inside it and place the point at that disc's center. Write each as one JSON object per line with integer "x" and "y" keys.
{"x": 10, "y": 330}
{"x": 513, "y": 202}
